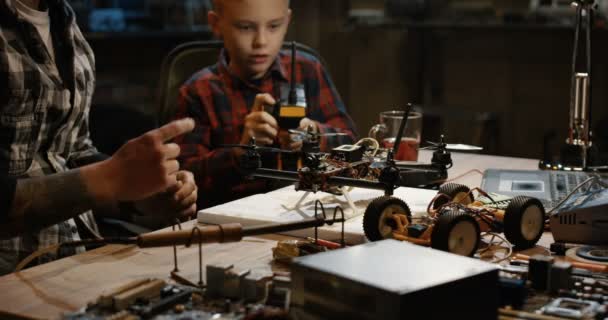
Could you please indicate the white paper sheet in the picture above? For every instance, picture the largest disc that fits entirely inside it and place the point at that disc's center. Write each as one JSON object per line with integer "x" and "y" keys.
{"x": 278, "y": 207}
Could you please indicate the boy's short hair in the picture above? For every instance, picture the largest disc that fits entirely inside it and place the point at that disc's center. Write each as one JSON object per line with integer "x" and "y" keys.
{"x": 217, "y": 5}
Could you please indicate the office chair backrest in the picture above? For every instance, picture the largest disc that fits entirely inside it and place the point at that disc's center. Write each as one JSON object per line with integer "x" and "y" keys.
{"x": 186, "y": 59}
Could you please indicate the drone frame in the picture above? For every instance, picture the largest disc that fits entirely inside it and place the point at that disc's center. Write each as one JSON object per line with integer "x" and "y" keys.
{"x": 393, "y": 175}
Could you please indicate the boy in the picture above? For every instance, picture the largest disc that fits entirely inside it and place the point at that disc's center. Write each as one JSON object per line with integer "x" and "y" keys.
{"x": 51, "y": 176}
{"x": 227, "y": 99}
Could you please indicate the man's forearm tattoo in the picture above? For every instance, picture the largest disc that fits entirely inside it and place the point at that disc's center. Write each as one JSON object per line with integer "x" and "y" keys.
{"x": 44, "y": 201}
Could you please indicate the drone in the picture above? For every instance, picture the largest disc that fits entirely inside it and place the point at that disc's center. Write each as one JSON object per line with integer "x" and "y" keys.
{"x": 362, "y": 165}
{"x": 357, "y": 165}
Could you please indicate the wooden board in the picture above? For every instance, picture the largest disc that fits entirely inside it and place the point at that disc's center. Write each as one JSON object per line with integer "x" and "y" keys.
{"x": 49, "y": 290}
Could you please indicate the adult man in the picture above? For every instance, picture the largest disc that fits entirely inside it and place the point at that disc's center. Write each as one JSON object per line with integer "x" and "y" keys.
{"x": 50, "y": 174}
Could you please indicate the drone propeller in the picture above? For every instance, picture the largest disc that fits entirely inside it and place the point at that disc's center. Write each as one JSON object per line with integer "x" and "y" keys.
{"x": 462, "y": 147}
{"x": 316, "y": 134}
{"x": 434, "y": 145}
{"x": 451, "y": 146}
{"x": 254, "y": 147}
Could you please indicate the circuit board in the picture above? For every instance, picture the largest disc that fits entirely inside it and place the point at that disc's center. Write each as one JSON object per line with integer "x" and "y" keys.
{"x": 178, "y": 302}
{"x": 497, "y": 201}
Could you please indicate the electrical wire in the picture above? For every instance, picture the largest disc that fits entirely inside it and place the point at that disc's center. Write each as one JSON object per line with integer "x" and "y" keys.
{"x": 595, "y": 179}
{"x": 375, "y": 143}
{"x": 504, "y": 241}
{"x": 462, "y": 175}
{"x": 52, "y": 249}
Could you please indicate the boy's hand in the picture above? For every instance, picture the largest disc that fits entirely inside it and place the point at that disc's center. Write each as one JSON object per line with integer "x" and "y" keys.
{"x": 306, "y": 123}
{"x": 142, "y": 167}
{"x": 179, "y": 201}
{"x": 260, "y": 124}
{"x": 287, "y": 142}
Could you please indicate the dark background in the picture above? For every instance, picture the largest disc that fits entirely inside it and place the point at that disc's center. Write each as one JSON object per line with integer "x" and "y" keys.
{"x": 493, "y": 73}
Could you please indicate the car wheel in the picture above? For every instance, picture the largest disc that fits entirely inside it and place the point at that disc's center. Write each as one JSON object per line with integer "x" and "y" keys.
{"x": 378, "y": 222}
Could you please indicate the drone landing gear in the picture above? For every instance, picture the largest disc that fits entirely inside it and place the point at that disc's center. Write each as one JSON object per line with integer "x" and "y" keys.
{"x": 299, "y": 202}
{"x": 353, "y": 212}
{"x": 351, "y": 204}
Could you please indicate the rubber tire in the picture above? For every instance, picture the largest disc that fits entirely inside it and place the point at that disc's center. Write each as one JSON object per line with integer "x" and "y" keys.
{"x": 444, "y": 226}
{"x": 512, "y": 221}
{"x": 373, "y": 214}
{"x": 451, "y": 190}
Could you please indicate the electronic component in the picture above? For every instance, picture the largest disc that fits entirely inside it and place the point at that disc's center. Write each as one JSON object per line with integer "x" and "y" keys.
{"x": 348, "y": 152}
{"x": 253, "y": 286}
{"x": 497, "y": 201}
{"x": 390, "y": 279}
{"x": 279, "y": 292}
{"x": 559, "y": 276}
{"x": 513, "y": 292}
{"x": 538, "y": 271}
{"x": 289, "y": 249}
{"x": 224, "y": 281}
{"x": 573, "y": 308}
{"x": 259, "y": 297}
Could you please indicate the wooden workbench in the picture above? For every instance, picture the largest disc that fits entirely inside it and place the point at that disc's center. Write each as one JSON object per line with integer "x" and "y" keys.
{"x": 49, "y": 290}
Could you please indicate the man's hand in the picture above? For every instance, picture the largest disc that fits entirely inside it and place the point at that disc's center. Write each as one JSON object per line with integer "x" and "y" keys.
{"x": 142, "y": 167}
{"x": 179, "y": 201}
{"x": 260, "y": 124}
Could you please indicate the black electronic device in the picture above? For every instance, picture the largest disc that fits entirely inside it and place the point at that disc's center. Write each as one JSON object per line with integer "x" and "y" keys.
{"x": 550, "y": 187}
{"x": 349, "y": 153}
{"x": 582, "y": 219}
{"x": 390, "y": 279}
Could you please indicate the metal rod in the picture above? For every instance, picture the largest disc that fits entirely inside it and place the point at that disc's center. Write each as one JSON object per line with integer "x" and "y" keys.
{"x": 589, "y": 98}
{"x": 102, "y": 241}
{"x": 356, "y": 183}
{"x": 318, "y": 205}
{"x": 577, "y": 102}
{"x": 406, "y": 114}
{"x": 275, "y": 174}
{"x": 175, "y": 268}
{"x": 293, "y": 97}
{"x": 584, "y": 107}
{"x": 200, "y": 256}
{"x": 572, "y": 123}
{"x": 342, "y": 240}
{"x": 283, "y": 227}
{"x": 580, "y": 132}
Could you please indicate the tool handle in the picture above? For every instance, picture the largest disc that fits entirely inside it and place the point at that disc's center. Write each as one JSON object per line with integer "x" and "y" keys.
{"x": 229, "y": 232}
